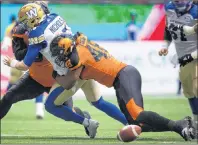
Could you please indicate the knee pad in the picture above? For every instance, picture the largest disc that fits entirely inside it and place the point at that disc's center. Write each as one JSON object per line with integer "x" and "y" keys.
{"x": 194, "y": 105}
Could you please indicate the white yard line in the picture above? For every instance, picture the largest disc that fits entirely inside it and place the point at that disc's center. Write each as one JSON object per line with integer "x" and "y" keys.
{"x": 15, "y": 135}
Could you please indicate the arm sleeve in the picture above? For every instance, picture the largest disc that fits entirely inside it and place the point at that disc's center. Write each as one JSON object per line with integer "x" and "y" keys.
{"x": 19, "y": 48}
{"x": 32, "y": 53}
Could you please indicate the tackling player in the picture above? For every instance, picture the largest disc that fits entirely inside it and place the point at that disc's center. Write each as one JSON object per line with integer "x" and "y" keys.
{"x": 181, "y": 29}
{"x": 16, "y": 74}
{"x": 87, "y": 60}
{"x": 48, "y": 27}
{"x": 32, "y": 83}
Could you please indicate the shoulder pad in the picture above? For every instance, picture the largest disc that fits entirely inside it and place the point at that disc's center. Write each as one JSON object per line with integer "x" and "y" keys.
{"x": 193, "y": 11}
{"x": 19, "y": 30}
{"x": 81, "y": 39}
{"x": 169, "y": 6}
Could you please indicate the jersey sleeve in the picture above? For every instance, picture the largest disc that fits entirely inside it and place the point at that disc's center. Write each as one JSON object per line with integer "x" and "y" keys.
{"x": 36, "y": 43}
{"x": 19, "y": 48}
{"x": 36, "y": 37}
{"x": 32, "y": 53}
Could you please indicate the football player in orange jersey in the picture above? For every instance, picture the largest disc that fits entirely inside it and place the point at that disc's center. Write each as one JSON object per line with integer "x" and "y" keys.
{"x": 54, "y": 103}
{"x": 16, "y": 74}
{"x": 88, "y": 60}
{"x": 33, "y": 83}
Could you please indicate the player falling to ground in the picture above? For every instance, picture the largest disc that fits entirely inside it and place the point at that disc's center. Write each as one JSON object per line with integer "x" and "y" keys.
{"x": 109, "y": 73}
{"x": 44, "y": 29}
{"x": 32, "y": 83}
{"x": 87, "y": 60}
{"x": 16, "y": 74}
{"x": 181, "y": 16}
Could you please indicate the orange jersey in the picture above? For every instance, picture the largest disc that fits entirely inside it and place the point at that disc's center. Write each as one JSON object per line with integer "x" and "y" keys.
{"x": 42, "y": 72}
{"x": 98, "y": 63}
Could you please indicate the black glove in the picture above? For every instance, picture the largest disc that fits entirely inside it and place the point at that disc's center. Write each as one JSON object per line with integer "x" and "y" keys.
{"x": 185, "y": 59}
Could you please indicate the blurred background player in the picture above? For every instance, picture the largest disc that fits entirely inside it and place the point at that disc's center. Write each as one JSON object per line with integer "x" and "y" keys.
{"x": 132, "y": 28}
{"x": 16, "y": 74}
{"x": 181, "y": 15}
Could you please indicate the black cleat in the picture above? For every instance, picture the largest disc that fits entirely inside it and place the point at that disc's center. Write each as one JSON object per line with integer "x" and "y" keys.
{"x": 185, "y": 128}
{"x": 39, "y": 117}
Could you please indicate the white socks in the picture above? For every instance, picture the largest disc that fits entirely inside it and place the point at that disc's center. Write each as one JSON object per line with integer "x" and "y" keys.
{"x": 86, "y": 122}
{"x": 39, "y": 110}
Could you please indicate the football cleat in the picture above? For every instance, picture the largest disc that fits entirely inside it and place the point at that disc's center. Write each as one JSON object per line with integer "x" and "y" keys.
{"x": 92, "y": 128}
{"x": 185, "y": 127}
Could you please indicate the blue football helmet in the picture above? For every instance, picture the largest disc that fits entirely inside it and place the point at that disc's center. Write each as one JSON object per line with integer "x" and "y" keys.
{"x": 182, "y": 5}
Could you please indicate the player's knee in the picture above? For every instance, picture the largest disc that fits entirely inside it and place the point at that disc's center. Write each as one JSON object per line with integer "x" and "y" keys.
{"x": 133, "y": 109}
{"x": 52, "y": 96}
{"x": 98, "y": 103}
{"x": 49, "y": 106}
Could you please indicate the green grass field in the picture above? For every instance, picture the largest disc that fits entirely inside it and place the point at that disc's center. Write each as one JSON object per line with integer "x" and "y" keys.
{"x": 20, "y": 125}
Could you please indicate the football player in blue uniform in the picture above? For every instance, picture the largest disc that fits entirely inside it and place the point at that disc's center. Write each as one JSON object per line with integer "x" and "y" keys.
{"x": 181, "y": 27}
{"x": 42, "y": 30}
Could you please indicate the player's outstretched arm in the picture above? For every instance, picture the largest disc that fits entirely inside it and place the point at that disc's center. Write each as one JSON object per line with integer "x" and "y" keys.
{"x": 20, "y": 65}
{"x": 69, "y": 80}
{"x": 30, "y": 57}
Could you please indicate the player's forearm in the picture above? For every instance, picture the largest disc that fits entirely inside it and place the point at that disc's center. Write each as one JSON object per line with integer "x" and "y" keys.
{"x": 20, "y": 65}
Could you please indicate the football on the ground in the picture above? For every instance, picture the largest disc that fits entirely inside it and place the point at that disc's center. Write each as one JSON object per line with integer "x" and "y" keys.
{"x": 129, "y": 133}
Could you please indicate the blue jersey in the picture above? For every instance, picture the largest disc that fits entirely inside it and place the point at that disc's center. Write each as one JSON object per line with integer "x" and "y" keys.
{"x": 41, "y": 37}
{"x": 184, "y": 44}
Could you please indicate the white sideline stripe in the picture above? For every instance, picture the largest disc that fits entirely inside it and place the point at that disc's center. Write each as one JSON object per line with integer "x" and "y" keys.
{"x": 134, "y": 131}
{"x": 5, "y": 135}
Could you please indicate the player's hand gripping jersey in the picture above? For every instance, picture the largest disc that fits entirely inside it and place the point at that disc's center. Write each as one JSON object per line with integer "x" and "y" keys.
{"x": 185, "y": 44}
{"x": 97, "y": 62}
{"x": 40, "y": 38}
{"x": 41, "y": 69}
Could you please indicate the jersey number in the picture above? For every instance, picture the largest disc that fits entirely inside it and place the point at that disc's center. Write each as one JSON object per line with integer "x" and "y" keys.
{"x": 97, "y": 51}
{"x": 173, "y": 29}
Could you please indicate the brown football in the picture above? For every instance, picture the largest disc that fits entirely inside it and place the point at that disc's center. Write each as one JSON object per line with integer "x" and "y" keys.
{"x": 129, "y": 133}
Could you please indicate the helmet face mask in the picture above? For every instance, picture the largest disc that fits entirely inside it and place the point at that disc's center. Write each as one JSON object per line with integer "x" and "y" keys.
{"x": 31, "y": 15}
{"x": 182, "y": 5}
{"x": 62, "y": 45}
